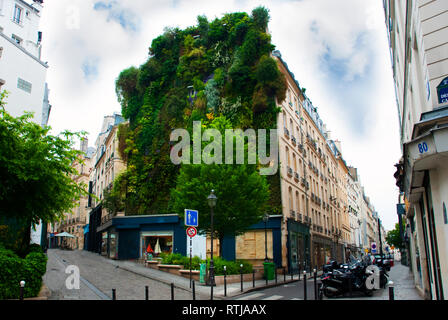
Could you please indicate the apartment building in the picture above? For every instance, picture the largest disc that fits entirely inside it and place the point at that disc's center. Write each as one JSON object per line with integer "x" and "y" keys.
{"x": 22, "y": 72}
{"x": 76, "y": 221}
{"x": 315, "y": 220}
{"x": 107, "y": 165}
{"x": 354, "y": 211}
{"x": 418, "y": 33}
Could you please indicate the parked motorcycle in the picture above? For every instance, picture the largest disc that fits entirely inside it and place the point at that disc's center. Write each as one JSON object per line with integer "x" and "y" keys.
{"x": 350, "y": 278}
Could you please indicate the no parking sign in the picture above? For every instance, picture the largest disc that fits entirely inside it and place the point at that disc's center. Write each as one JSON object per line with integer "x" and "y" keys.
{"x": 191, "y": 232}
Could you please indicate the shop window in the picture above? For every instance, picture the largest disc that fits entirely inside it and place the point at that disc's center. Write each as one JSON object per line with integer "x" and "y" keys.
{"x": 155, "y": 243}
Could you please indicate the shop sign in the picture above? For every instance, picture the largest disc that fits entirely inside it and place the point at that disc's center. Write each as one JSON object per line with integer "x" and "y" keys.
{"x": 442, "y": 91}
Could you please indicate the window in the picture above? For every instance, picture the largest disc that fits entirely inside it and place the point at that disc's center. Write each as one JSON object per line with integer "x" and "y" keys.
{"x": 24, "y": 85}
{"x": 17, "y": 15}
{"x": 16, "y": 39}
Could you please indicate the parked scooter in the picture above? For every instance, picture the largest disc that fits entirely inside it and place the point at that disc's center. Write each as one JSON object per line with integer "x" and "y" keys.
{"x": 349, "y": 278}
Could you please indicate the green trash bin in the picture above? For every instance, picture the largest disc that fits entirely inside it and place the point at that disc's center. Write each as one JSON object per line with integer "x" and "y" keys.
{"x": 202, "y": 272}
{"x": 269, "y": 270}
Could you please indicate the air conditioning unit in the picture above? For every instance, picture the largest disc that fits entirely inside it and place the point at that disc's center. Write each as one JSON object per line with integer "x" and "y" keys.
{"x": 289, "y": 170}
{"x": 296, "y": 176}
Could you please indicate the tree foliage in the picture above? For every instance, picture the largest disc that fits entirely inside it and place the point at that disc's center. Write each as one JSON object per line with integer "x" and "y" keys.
{"x": 35, "y": 170}
{"x": 393, "y": 237}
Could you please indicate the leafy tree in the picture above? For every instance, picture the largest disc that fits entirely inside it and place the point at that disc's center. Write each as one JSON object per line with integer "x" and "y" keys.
{"x": 393, "y": 237}
{"x": 242, "y": 196}
{"x": 35, "y": 171}
{"x": 243, "y": 193}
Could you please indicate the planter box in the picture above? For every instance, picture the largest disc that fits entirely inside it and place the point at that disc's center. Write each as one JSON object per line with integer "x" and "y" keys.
{"x": 171, "y": 268}
{"x": 186, "y": 274}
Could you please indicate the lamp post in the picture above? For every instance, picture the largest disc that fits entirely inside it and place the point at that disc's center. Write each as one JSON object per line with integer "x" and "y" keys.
{"x": 212, "y": 203}
{"x": 265, "y": 219}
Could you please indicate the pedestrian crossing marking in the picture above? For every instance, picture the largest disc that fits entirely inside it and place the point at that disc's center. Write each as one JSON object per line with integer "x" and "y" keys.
{"x": 251, "y": 296}
{"x": 274, "y": 297}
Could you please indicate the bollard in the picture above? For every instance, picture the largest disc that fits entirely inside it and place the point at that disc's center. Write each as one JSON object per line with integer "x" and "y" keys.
{"x": 225, "y": 281}
{"x": 299, "y": 270}
{"x": 315, "y": 285}
{"x": 304, "y": 285}
{"x": 253, "y": 278}
{"x": 22, "y": 288}
{"x": 194, "y": 290}
{"x": 284, "y": 274}
{"x": 172, "y": 291}
{"x": 114, "y": 296}
{"x": 266, "y": 276}
{"x": 146, "y": 293}
{"x": 350, "y": 291}
{"x": 391, "y": 290}
{"x": 275, "y": 274}
{"x": 292, "y": 274}
{"x": 241, "y": 271}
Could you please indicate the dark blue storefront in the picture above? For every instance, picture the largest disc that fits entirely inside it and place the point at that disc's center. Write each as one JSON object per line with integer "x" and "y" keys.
{"x": 126, "y": 238}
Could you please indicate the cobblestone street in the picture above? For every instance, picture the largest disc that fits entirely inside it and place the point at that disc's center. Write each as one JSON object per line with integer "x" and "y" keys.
{"x": 98, "y": 276}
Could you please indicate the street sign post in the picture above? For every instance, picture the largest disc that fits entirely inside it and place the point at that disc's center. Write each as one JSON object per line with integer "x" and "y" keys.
{"x": 191, "y": 218}
{"x": 373, "y": 247}
{"x": 191, "y": 232}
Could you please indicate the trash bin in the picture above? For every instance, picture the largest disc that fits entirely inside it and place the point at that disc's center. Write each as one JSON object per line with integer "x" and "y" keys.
{"x": 269, "y": 270}
{"x": 202, "y": 272}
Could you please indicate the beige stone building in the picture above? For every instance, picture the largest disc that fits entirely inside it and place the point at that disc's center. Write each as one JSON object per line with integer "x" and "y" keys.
{"x": 315, "y": 220}
{"x": 107, "y": 166}
{"x": 76, "y": 220}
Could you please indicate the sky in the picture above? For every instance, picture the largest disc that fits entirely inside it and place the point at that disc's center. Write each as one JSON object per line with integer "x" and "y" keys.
{"x": 337, "y": 50}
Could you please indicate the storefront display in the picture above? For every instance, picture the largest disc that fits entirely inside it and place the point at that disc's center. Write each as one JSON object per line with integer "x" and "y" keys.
{"x": 156, "y": 242}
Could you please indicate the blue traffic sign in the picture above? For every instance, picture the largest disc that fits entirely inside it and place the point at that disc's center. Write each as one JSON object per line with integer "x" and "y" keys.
{"x": 191, "y": 218}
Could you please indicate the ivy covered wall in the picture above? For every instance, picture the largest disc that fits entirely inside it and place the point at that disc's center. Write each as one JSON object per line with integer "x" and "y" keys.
{"x": 219, "y": 68}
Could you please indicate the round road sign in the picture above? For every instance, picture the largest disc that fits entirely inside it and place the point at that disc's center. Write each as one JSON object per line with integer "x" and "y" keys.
{"x": 191, "y": 232}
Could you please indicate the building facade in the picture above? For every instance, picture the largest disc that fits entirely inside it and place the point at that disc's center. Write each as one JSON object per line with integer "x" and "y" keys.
{"x": 77, "y": 219}
{"x": 107, "y": 165}
{"x": 22, "y": 72}
{"x": 314, "y": 188}
{"x": 417, "y": 31}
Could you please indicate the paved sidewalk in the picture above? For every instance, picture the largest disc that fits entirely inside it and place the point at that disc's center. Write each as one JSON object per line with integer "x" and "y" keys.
{"x": 232, "y": 290}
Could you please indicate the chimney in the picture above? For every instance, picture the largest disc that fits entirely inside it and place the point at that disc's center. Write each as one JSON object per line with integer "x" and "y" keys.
{"x": 84, "y": 144}
{"x": 338, "y": 145}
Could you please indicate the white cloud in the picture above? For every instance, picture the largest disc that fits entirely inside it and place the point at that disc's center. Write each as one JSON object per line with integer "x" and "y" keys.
{"x": 351, "y": 32}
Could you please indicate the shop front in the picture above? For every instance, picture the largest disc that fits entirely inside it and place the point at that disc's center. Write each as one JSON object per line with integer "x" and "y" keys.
{"x": 322, "y": 249}
{"x": 132, "y": 237}
{"x": 298, "y": 244}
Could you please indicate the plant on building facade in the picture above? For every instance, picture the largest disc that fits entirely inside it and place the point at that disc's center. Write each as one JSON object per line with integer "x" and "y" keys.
{"x": 216, "y": 68}
{"x": 35, "y": 172}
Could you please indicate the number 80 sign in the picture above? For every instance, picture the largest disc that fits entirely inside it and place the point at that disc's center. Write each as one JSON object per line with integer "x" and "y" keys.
{"x": 422, "y": 147}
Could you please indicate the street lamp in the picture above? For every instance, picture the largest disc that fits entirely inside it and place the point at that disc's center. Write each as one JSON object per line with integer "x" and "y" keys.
{"x": 265, "y": 219}
{"x": 212, "y": 203}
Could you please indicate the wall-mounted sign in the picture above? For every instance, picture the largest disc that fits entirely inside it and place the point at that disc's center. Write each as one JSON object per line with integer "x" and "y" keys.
{"x": 442, "y": 91}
